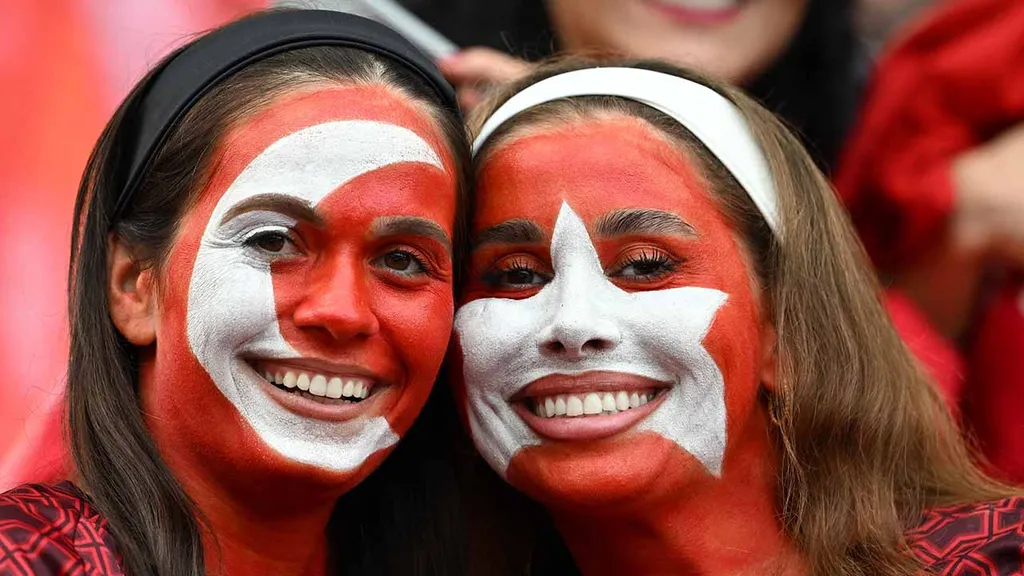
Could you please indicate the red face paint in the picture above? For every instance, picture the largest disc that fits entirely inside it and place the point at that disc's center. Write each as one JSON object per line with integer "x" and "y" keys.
{"x": 639, "y": 477}
{"x": 359, "y": 291}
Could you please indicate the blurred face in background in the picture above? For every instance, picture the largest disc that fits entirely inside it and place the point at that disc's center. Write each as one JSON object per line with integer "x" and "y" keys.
{"x": 731, "y": 39}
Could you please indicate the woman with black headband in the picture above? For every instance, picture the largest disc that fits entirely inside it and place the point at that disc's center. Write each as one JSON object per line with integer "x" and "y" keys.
{"x": 260, "y": 300}
{"x": 671, "y": 339}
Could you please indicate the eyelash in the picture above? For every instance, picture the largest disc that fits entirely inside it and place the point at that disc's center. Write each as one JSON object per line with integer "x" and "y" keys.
{"x": 494, "y": 278}
{"x": 497, "y": 276}
{"x": 253, "y": 238}
{"x": 664, "y": 262}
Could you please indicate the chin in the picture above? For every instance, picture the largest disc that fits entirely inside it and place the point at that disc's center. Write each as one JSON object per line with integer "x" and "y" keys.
{"x": 604, "y": 477}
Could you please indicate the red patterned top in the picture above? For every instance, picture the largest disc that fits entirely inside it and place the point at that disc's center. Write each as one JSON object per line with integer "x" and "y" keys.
{"x": 53, "y": 529}
{"x": 972, "y": 540}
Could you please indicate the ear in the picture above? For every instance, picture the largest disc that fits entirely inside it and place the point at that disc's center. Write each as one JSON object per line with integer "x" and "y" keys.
{"x": 769, "y": 359}
{"x": 131, "y": 295}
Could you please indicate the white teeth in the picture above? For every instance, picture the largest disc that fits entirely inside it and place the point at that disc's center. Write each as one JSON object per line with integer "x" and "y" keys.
{"x": 573, "y": 406}
{"x": 590, "y": 404}
{"x": 334, "y": 388}
{"x": 322, "y": 385}
{"x": 318, "y": 385}
{"x": 622, "y": 401}
{"x": 560, "y": 406}
{"x": 608, "y": 403}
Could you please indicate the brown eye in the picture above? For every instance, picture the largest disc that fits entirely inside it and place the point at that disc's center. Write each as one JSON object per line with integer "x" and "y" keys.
{"x": 517, "y": 272}
{"x": 645, "y": 265}
{"x": 402, "y": 263}
{"x": 276, "y": 243}
{"x": 399, "y": 261}
{"x": 271, "y": 242}
{"x": 517, "y": 277}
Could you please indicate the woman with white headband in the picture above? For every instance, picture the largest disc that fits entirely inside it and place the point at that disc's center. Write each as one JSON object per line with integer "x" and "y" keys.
{"x": 670, "y": 338}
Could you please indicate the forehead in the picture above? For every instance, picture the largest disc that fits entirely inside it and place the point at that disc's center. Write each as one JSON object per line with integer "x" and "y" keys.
{"x": 301, "y": 122}
{"x": 596, "y": 166}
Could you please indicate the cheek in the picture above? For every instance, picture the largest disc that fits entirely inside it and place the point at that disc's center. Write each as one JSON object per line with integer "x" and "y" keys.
{"x": 420, "y": 325}
{"x": 734, "y": 342}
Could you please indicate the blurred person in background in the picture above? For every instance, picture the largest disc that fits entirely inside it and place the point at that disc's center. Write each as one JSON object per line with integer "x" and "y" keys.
{"x": 933, "y": 179}
{"x": 799, "y": 57}
{"x": 880, "y": 20}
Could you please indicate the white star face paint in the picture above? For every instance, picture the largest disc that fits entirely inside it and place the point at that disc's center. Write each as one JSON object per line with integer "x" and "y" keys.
{"x": 231, "y": 310}
{"x": 657, "y": 335}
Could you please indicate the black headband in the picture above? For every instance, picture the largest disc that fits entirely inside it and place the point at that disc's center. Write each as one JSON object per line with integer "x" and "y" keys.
{"x": 191, "y": 73}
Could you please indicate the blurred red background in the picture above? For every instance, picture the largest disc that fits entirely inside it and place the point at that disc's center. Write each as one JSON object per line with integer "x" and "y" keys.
{"x": 64, "y": 66}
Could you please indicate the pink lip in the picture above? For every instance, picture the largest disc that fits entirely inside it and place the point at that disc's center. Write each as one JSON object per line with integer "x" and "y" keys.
{"x": 597, "y": 381}
{"x": 586, "y": 427}
{"x": 696, "y": 15}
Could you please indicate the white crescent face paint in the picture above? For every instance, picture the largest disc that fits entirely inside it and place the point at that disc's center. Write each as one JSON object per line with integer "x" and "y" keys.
{"x": 231, "y": 303}
{"x": 656, "y": 334}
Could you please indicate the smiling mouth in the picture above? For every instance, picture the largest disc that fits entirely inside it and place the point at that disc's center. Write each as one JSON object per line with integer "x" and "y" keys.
{"x": 699, "y": 11}
{"x": 318, "y": 386}
{"x": 588, "y": 406}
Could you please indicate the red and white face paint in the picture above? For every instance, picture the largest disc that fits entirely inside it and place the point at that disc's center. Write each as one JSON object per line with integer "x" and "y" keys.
{"x": 310, "y": 288}
{"x": 647, "y": 344}
{"x": 609, "y": 334}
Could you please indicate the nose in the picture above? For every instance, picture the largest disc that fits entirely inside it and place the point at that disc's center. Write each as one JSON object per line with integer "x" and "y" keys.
{"x": 338, "y": 301}
{"x": 578, "y": 330}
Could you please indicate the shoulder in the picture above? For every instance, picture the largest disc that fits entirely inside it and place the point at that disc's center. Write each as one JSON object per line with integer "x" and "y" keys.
{"x": 984, "y": 539}
{"x": 53, "y": 529}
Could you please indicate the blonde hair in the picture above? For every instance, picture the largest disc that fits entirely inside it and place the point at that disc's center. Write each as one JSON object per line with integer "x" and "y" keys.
{"x": 865, "y": 442}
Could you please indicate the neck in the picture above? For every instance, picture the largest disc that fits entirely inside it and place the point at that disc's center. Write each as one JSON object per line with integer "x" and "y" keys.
{"x": 725, "y": 525}
{"x": 244, "y": 535}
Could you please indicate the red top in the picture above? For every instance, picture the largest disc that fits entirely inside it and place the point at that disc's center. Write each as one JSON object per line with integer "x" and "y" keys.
{"x": 52, "y": 529}
{"x": 972, "y": 540}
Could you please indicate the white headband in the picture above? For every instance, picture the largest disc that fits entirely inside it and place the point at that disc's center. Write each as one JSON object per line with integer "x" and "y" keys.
{"x": 710, "y": 117}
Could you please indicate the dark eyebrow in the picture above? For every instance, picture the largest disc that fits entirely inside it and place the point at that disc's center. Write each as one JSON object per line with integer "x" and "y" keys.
{"x": 410, "y": 226}
{"x": 281, "y": 203}
{"x": 517, "y": 231}
{"x": 642, "y": 221}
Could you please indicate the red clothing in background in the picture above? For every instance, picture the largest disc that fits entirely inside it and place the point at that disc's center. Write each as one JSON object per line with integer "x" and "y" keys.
{"x": 952, "y": 83}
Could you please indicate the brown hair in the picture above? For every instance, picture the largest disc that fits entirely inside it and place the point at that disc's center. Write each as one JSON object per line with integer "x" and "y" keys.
{"x": 865, "y": 442}
{"x": 150, "y": 516}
